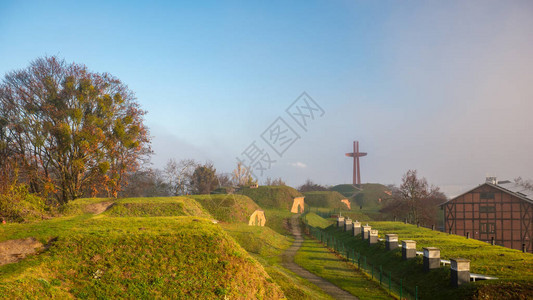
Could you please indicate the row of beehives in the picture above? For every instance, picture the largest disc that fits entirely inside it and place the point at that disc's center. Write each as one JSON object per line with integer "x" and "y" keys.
{"x": 460, "y": 267}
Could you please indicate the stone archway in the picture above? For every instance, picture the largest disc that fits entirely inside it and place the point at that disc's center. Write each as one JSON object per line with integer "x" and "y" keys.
{"x": 298, "y": 205}
{"x": 257, "y": 218}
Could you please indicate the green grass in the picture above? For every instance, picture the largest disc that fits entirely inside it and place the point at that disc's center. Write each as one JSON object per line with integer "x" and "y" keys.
{"x": 506, "y": 264}
{"x": 157, "y": 207}
{"x": 277, "y": 220}
{"x": 139, "y": 258}
{"x": 267, "y": 246}
{"x": 329, "y": 199}
{"x": 136, "y": 250}
{"x": 228, "y": 208}
{"x": 79, "y": 206}
{"x": 272, "y": 196}
{"x": 317, "y": 221}
{"x": 314, "y": 257}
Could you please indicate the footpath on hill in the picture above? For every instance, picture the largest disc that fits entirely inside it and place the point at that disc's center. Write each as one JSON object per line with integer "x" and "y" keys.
{"x": 288, "y": 262}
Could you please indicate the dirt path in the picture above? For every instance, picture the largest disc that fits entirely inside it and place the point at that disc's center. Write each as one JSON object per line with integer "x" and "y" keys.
{"x": 288, "y": 262}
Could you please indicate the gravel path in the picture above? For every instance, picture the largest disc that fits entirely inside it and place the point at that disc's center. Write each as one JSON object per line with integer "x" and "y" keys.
{"x": 288, "y": 262}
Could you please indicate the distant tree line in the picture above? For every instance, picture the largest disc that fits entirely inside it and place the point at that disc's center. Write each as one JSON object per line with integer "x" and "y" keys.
{"x": 188, "y": 176}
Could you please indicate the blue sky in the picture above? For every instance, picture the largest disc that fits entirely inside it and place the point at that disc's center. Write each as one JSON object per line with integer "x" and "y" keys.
{"x": 443, "y": 87}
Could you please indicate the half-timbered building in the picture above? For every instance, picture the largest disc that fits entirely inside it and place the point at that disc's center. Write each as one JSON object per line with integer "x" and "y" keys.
{"x": 494, "y": 212}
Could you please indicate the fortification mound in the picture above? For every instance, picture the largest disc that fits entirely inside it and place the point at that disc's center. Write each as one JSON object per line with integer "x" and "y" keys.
{"x": 272, "y": 196}
{"x": 228, "y": 208}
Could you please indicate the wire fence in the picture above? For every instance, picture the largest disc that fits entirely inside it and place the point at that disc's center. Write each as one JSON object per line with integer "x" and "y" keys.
{"x": 395, "y": 286}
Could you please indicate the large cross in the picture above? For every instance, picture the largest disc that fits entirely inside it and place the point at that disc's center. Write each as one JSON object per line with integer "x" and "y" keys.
{"x": 356, "y": 154}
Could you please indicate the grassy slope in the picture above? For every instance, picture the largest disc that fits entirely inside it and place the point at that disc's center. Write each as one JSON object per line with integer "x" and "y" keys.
{"x": 366, "y": 197}
{"x": 507, "y": 264}
{"x": 228, "y": 208}
{"x": 272, "y": 196}
{"x": 330, "y": 199}
{"x": 314, "y": 257}
{"x": 317, "y": 221}
{"x": 79, "y": 206}
{"x": 133, "y": 257}
{"x": 267, "y": 245}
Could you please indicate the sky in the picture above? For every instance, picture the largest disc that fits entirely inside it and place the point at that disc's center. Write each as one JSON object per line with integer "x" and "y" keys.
{"x": 441, "y": 87}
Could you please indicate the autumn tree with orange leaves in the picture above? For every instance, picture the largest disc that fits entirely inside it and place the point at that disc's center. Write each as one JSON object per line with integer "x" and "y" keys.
{"x": 69, "y": 132}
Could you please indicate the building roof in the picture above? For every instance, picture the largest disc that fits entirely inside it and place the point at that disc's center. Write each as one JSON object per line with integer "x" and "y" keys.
{"x": 505, "y": 186}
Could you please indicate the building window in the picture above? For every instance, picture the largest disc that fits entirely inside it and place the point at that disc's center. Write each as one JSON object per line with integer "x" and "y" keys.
{"x": 487, "y": 209}
{"x": 486, "y": 195}
{"x": 487, "y": 227}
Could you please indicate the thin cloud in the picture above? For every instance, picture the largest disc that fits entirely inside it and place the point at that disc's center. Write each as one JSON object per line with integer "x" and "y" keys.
{"x": 298, "y": 164}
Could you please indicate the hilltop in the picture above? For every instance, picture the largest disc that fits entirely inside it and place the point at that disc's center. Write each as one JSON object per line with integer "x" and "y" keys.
{"x": 227, "y": 208}
{"x": 272, "y": 196}
{"x": 329, "y": 199}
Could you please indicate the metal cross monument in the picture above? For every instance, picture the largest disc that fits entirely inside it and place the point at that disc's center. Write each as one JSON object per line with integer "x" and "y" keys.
{"x": 356, "y": 154}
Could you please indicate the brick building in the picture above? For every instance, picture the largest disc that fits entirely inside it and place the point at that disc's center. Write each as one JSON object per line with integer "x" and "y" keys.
{"x": 499, "y": 210}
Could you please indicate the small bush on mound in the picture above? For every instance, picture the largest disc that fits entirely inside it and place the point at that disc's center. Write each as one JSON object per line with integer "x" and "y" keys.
{"x": 17, "y": 204}
{"x": 227, "y": 208}
{"x": 177, "y": 258}
{"x": 329, "y": 199}
{"x": 272, "y": 196}
{"x": 157, "y": 207}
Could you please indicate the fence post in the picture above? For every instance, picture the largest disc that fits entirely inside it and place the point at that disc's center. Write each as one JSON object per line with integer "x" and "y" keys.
{"x": 372, "y": 266}
{"x": 401, "y": 288}
{"x": 380, "y": 272}
{"x": 416, "y": 292}
{"x": 390, "y": 275}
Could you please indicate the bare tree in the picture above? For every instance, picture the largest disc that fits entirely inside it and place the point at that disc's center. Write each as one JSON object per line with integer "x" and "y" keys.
{"x": 415, "y": 200}
{"x": 178, "y": 175}
{"x": 527, "y": 184}
{"x": 224, "y": 180}
{"x": 147, "y": 183}
{"x": 278, "y": 181}
{"x": 242, "y": 176}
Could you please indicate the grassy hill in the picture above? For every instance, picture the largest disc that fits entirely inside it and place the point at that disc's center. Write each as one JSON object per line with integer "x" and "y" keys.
{"x": 347, "y": 190}
{"x": 512, "y": 267}
{"x": 133, "y": 257}
{"x": 272, "y": 196}
{"x": 330, "y": 199}
{"x": 227, "y": 208}
{"x": 370, "y": 194}
{"x": 156, "y": 207}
